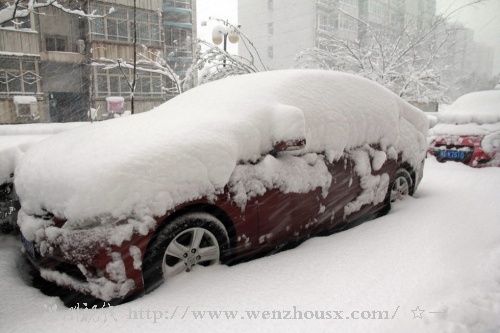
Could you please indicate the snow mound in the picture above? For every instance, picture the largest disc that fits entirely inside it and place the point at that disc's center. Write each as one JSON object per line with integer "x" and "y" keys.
{"x": 189, "y": 147}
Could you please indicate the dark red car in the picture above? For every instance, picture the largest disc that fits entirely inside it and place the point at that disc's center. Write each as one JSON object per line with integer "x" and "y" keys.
{"x": 223, "y": 172}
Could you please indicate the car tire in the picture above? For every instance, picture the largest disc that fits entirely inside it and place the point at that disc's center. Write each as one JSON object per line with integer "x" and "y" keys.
{"x": 397, "y": 183}
{"x": 190, "y": 240}
{"x": 400, "y": 185}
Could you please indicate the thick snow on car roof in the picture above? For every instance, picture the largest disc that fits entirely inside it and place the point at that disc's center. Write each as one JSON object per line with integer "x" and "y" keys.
{"x": 481, "y": 107}
{"x": 188, "y": 147}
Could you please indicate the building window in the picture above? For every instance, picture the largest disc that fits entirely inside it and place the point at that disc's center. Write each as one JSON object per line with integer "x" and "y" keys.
{"x": 119, "y": 25}
{"x": 185, "y": 4}
{"x": 178, "y": 42}
{"x": 270, "y": 4}
{"x": 113, "y": 82}
{"x": 350, "y": 2}
{"x": 19, "y": 23}
{"x": 178, "y": 17}
{"x": 346, "y": 22}
{"x": 18, "y": 76}
{"x": 375, "y": 8}
{"x": 328, "y": 22}
{"x": 270, "y": 52}
{"x": 55, "y": 44}
{"x": 270, "y": 28}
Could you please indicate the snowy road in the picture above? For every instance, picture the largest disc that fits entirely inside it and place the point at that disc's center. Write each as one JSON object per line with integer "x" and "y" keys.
{"x": 431, "y": 265}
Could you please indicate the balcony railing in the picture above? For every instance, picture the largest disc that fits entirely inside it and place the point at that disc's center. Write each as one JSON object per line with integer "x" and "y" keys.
{"x": 185, "y": 4}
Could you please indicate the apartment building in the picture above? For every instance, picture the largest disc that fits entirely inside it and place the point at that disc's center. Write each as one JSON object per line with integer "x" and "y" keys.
{"x": 282, "y": 28}
{"x": 58, "y": 66}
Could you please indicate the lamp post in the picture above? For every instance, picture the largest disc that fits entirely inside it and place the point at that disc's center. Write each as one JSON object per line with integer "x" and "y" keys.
{"x": 222, "y": 33}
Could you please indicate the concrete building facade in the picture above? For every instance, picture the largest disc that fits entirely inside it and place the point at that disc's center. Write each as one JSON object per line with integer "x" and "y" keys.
{"x": 280, "y": 29}
{"x": 56, "y": 67}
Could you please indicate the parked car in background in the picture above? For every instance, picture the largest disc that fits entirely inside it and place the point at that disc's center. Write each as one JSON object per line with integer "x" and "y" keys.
{"x": 222, "y": 172}
{"x": 469, "y": 131}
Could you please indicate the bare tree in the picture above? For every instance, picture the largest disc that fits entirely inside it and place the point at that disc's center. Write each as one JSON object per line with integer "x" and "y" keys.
{"x": 407, "y": 59}
{"x": 209, "y": 63}
{"x": 146, "y": 61}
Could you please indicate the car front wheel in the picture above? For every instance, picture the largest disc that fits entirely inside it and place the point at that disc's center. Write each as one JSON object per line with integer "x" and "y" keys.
{"x": 192, "y": 240}
{"x": 400, "y": 185}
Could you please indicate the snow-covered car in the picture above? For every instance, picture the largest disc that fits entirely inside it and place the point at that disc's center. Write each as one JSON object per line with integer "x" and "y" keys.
{"x": 469, "y": 130}
{"x": 15, "y": 140}
{"x": 222, "y": 172}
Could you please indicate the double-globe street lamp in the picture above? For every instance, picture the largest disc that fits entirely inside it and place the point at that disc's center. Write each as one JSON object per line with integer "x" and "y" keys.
{"x": 221, "y": 33}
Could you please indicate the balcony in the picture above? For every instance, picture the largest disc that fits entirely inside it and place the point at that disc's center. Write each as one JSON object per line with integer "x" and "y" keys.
{"x": 19, "y": 41}
{"x": 178, "y": 4}
{"x": 55, "y": 56}
{"x": 178, "y": 25}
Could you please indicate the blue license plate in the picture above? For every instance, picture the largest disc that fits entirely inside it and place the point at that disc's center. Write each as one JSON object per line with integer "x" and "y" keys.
{"x": 452, "y": 154}
{"x": 28, "y": 246}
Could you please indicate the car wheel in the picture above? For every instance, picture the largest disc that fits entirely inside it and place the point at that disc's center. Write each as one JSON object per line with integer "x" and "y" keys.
{"x": 192, "y": 240}
{"x": 400, "y": 185}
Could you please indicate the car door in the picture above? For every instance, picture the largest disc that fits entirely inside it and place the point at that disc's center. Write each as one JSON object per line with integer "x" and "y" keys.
{"x": 293, "y": 215}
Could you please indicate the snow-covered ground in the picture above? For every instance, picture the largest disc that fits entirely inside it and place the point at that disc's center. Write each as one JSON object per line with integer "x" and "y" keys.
{"x": 431, "y": 265}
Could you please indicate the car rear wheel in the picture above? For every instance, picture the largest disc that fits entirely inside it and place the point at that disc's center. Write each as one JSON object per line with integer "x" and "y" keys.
{"x": 400, "y": 185}
{"x": 192, "y": 240}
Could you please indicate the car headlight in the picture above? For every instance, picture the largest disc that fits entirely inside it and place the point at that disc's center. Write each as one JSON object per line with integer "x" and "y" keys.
{"x": 491, "y": 142}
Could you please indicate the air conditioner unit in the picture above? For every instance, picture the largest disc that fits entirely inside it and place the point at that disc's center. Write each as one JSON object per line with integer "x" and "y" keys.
{"x": 26, "y": 107}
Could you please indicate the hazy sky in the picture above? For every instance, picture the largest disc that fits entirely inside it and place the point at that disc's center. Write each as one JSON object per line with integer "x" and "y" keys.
{"x": 483, "y": 18}
{"x": 223, "y": 9}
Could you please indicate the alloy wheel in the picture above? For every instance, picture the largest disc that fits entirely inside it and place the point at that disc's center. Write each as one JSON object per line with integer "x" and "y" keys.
{"x": 191, "y": 247}
{"x": 400, "y": 189}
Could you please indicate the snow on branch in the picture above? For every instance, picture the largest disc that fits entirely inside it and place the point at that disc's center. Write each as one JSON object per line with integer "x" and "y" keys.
{"x": 409, "y": 59}
{"x": 213, "y": 63}
{"x": 23, "y": 8}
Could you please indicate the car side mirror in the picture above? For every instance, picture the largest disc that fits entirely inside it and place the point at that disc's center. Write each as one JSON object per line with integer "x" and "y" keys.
{"x": 288, "y": 132}
{"x": 288, "y": 145}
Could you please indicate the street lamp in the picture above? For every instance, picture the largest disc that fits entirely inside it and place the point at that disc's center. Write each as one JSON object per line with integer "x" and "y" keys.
{"x": 222, "y": 33}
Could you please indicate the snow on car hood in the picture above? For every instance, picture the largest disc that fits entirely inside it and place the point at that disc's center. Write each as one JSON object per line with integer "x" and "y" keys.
{"x": 188, "y": 147}
{"x": 464, "y": 129}
{"x": 481, "y": 107}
